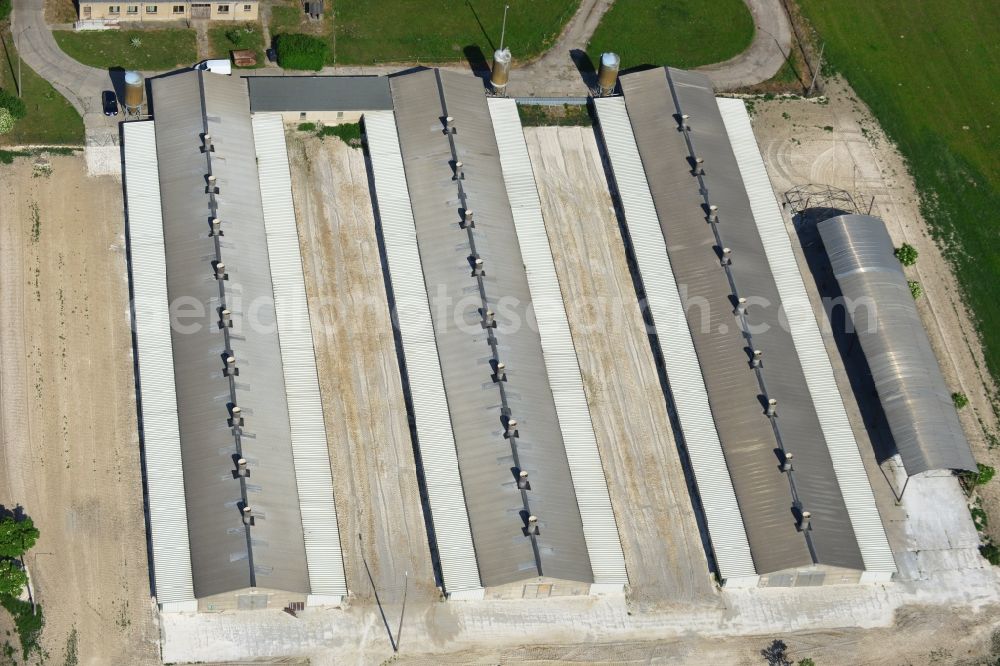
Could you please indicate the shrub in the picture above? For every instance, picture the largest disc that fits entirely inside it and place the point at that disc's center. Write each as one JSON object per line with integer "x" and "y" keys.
{"x": 907, "y": 254}
{"x": 6, "y": 121}
{"x": 979, "y": 518}
{"x": 13, "y": 103}
{"x": 5, "y": 7}
{"x": 960, "y": 399}
{"x": 349, "y": 133}
{"x": 915, "y": 289}
{"x": 991, "y": 553}
{"x": 307, "y": 127}
{"x": 296, "y": 51}
{"x": 984, "y": 473}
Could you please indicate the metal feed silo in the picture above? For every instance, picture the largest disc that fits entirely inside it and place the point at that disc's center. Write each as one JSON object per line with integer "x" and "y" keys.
{"x": 135, "y": 92}
{"x": 607, "y": 75}
{"x": 501, "y": 69}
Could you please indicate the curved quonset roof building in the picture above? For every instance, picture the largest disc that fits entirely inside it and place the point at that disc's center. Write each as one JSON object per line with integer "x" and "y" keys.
{"x": 916, "y": 400}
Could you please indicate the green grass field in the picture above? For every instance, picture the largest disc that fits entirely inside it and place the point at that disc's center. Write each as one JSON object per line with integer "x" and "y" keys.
{"x": 51, "y": 120}
{"x": 439, "y": 30}
{"x": 160, "y": 49}
{"x": 235, "y": 37}
{"x": 930, "y": 71}
{"x": 680, "y": 33}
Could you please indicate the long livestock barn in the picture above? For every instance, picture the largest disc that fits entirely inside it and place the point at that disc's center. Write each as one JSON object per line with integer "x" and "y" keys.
{"x": 786, "y": 497}
{"x": 516, "y": 489}
{"x": 240, "y": 497}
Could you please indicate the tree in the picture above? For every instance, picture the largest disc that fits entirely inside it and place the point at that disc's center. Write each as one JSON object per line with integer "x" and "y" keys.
{"x": 12, "y": 578}
{"x": 6, "y": 121}
{"x": 16, "y": 536}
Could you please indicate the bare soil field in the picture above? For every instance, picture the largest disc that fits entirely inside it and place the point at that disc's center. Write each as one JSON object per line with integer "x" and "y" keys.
{"x": 839, "y": 143}
{"x": 374, "y": 473}
{"x": 70, "y": 445}
{"x": 663, "y": 551}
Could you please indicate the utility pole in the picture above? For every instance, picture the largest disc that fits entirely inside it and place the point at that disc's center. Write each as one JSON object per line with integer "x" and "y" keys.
{"x": 503, "y": 30}
{"x": 17, "y": 45}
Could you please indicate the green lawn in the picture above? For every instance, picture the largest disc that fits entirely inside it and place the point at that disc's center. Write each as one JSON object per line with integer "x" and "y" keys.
{"x": 160, "y": 49}
{"x": 50, "y": 119}
{"x": 230, "y": 37}
{"x": 679, "y": 33}
{"x": 286, "y": 18}
{"x": 439, "y": 30}
{"x": 930, "y": 71}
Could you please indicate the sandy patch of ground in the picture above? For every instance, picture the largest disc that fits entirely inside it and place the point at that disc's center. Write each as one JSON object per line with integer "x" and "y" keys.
{"x": 840, "y": 144}
{"x": 70, "y": 444}
{"x": 374, "y": 473}
{"x": 663, "y": 551}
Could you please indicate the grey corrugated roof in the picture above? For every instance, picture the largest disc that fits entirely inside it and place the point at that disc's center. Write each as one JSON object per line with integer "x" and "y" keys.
{"x": 319, "y": 93}
{"x": 723, "y": 518}
{"x": 475, "y": 401}
{"x": 168, "y": 523}
{"x": 431, "y": 420}
{"x": 600, "y": 529}
{"x": 917, "y": 403}
{"x": 187, "y": 105}
{"x": 750, "y": 441}
{"x": 847, "y": 463}
{"x": 310, "y": 449}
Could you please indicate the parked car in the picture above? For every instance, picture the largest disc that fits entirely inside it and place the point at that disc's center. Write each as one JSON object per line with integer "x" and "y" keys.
{"x": 216, "y": 66}
{"x": 110, "y": 103}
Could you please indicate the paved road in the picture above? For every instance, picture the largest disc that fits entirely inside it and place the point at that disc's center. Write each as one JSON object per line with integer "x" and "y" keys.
{"x": 80, "y": 84}
{"x": 771, "y": 45}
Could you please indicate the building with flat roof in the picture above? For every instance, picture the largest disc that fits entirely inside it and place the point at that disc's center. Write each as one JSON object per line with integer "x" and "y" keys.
{"x": 327, "y": 99}
{"x": 749, "y": 364}
{"x": 241, "y": 504}
{"x": 115, "y": 11}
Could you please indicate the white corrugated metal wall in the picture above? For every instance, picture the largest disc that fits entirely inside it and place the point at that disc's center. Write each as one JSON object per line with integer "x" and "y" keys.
{"x": 305, "y": 409}
{"x": 430, "y": 406}
{"x": 848, "y": 466}
{"x": 161, "y": 435}
{"x": 721, "y": 511}
{"x": 599, "y": 527}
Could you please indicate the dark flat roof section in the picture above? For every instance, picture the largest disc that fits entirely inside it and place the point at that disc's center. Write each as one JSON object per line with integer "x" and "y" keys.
{"x": 318, "y": 93}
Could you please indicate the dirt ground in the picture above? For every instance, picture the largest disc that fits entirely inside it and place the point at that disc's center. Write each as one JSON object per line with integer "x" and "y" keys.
{"x": 663, "y": 551}
{"x": 374, "y": 473}
{"x": 855, "y": 155}
{"x": 70, "y": 445}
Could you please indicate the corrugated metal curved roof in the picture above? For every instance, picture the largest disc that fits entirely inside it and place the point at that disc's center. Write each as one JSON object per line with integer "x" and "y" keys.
{"x": 916, "y": 400}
